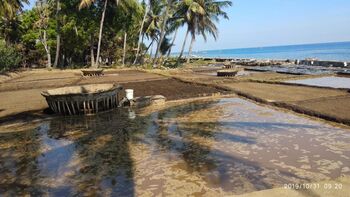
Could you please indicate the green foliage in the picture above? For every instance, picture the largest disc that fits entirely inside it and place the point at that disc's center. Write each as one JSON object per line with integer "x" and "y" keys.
{"x": 10, "y": 58}
{"x": 8, "y": 8}
{"x": 78, "y": 29}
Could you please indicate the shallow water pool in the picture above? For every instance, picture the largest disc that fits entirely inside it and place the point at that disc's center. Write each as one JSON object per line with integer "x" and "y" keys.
{"x": 217, "y": 147}
{"x": 333, "y": 82}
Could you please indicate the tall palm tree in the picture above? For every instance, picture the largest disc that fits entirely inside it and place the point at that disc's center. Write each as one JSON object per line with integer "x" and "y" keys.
{"x": 166, "y": 14}
{"x": 87, "y": 3}
{"x": 141, "y": 35}
{"x": 122, "y": 3}
{"x": 173, "y": 27}
{"x": 188, "y": 10}
{"x": 206, "y": 23}
{"x": 200, "y": 17}
{"x": 153, "y": 22}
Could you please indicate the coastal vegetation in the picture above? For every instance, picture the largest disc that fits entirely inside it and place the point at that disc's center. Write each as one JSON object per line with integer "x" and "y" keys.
{"x": 93, "y": 33}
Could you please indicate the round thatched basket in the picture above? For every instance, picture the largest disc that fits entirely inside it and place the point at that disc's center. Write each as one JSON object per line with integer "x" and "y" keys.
{"x": 85, "y": 99}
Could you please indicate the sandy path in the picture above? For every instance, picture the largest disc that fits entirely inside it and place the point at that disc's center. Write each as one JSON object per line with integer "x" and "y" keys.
{"x": 14, "y": 102}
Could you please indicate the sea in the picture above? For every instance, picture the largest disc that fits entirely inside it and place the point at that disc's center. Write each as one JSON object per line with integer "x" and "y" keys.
{"x": 338, "y": 51}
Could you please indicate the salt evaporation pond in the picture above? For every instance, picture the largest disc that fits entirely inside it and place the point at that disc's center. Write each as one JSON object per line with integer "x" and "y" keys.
{"x": 298, "y": 69}
{"x": 333, "y": 82}
{"x": 217, "y": 147}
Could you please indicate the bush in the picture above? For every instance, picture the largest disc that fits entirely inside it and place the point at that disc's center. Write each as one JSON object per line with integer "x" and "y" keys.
{"x": 10, "y": 58}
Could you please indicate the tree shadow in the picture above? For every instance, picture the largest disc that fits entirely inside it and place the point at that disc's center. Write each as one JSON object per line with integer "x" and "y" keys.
{"x": 216, "y": 167}
{"x": 19, "y": 169}
{"x": 95, "y": 150}
{"x": 192, "y": 142}
{"x": 101, "y": 144}
{"x": 23, "y": 117}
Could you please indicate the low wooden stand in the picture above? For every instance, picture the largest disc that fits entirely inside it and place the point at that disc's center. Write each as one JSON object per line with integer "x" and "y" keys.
{"x": 227, "y": 73}
{"x": 92, "y": 72}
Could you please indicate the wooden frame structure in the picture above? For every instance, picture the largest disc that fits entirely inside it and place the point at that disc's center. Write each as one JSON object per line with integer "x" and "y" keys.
{"x": 92, "y": 72}
{"x": 86, "y": 99}
{"x": 227, "y": 73}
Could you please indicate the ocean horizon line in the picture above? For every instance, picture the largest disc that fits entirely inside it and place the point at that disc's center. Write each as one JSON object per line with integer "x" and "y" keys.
{"x": 269, "y": 46}
{"x": 332, "y": 51}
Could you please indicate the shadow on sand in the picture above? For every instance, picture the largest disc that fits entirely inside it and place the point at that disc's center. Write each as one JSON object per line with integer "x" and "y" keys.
{"x": 91, "y": 155}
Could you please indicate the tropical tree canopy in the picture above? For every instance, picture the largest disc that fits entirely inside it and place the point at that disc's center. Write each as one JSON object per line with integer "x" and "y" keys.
{"x": 79, "y": 33}
{"x": 9, "y": 8}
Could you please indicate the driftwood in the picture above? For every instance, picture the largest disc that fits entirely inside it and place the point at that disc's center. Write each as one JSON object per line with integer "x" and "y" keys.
{"x": 86, "y": 99}
{"x": 92, "y": 72}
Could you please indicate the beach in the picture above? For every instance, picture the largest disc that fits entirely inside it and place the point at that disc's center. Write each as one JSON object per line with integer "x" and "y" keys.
{"x": 203, "y": 116}
{"x": 175, "y": 98}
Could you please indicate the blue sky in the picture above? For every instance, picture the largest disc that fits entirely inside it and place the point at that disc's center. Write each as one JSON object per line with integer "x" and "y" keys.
{"x": 255, "y": 23}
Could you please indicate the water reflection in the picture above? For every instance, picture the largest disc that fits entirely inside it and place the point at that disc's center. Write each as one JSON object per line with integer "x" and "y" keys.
{"x": 227, "y": 146}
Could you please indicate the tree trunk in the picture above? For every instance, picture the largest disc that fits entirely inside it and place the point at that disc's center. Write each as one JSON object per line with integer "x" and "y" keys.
{"x": 183, "y": 48}
{"x": 151, "y": 52}
{"x": 149, "y": 46}
{"x": 47, "y": 50}
{"x": 190, "y": 49}
{"x": 58, "y": 37}
{"x": 172, "y": 44}
{"x": 162, "y": 32}
{"x": 92, "y": 52}
{"x": 100, "y": 33}
{"x": 48, "y": 58}
{"x": 124, "y": 50}
{"x": 140, "y": 35}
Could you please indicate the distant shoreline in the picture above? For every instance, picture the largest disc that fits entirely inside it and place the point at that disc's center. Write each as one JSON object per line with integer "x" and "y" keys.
{"x": 337, "y": 51}
{"x": 275, "y": 46}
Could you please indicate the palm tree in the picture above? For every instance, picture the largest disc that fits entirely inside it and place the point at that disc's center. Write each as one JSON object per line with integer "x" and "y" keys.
{"x": 206, "y": 23}
{"x": 168, "y": 7}
{"x": 87, "y": 3}
{"x": 188, "y": 11}
{"x": 173, "y": 27}
{"x": 172, "y": 44}
{"x": 153, "y": 22}
{"x": 141, "y": 34}
{"x": 199, "y": 16}
{"x": 9, "y": 21}
{"x": 122, "y": 3}
{"x": 8, "y": 8}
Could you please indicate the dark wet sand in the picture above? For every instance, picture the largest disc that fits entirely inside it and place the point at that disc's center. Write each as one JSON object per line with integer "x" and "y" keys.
{"x": 215, "y": 147}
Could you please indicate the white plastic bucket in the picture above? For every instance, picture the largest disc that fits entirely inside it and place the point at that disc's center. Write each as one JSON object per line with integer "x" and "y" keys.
{"x": 129, "y": 94}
